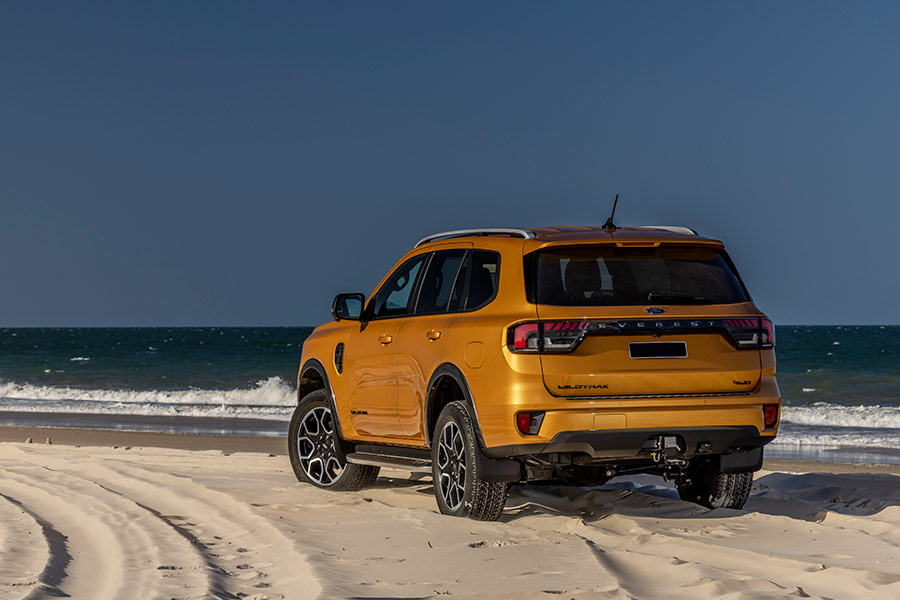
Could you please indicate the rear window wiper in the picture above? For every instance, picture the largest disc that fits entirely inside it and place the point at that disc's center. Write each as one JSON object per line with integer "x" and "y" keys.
{"x": 676, "y": 298}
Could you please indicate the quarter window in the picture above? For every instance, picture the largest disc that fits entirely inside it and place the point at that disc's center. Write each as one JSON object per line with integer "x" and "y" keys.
{"x": 483, "y": 278}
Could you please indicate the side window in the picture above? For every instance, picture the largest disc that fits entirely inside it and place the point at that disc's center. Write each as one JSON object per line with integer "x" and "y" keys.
{"x": 457, "y": 296}
{"x": 393, "y": 299}
{"x": 483, "y": 277}
{"x": 439, "y": 280}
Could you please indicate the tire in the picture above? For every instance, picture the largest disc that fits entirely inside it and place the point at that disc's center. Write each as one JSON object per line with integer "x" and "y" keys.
{"x": 707, "y": 486}
{"x": 458, "y": 487}
{"x": 314, "y": 452}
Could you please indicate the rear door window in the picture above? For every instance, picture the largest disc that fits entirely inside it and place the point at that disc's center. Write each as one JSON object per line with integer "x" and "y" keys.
{"x": 613, "y": 276}
{"x": 439, "y": 281}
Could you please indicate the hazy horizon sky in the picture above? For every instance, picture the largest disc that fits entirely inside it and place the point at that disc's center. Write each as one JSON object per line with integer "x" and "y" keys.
{"x": 225, "y": 163}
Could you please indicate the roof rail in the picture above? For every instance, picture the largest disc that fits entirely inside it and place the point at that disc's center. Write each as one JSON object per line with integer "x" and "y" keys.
{"x": 672, "y": 228}
{"x": 523, "y": 233}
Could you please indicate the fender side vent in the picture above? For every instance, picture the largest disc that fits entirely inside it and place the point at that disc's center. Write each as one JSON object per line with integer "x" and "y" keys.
{"x": 339, "y": 357}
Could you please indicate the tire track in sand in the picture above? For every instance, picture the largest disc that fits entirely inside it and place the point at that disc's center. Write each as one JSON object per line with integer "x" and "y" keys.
{"x": 116, "y": 550}
{"x": 52, "y": 558}
{"x": 187, "y": 541}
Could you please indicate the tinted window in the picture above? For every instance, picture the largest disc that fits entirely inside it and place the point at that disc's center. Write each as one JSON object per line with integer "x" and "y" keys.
{"x": 394, "y": 297}
{"x": 612, "y": 276}
{"x": 439, "y": 280}
{"x": 457, "y": 295}
{"x": 484, "y": 274}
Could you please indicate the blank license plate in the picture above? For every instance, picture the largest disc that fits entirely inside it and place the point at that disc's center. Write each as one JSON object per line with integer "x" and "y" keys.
{"x": 657, "y": 349}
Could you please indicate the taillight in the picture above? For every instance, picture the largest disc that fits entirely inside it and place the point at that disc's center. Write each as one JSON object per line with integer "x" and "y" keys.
{"x": 770, "y": 415}
{"x": 768, "y": 339}
{"x": 751, "y": 333}
{"x": 546, "y": 336}
{"x": 524, "y": 337}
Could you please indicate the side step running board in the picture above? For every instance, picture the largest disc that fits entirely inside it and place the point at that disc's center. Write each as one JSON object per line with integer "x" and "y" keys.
{"x": 416, "y": 465}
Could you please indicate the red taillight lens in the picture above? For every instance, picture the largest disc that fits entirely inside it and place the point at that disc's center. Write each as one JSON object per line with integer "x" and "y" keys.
{"x": 523, "y": 421}
{"x": 549, "y": 336}
{"x": 768, "y": 340}
{"x": 770, "y": 415}
{"x": 525, "y": 337}
{"x": 529, "y": 423}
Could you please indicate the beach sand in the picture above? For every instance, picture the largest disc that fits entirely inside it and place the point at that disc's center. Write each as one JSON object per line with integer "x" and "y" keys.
{"x": 225, "y": 518}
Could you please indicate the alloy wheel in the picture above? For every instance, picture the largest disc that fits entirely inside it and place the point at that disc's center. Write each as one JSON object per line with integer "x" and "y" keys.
{"x": 452, "y": 465}
{"x": 315, "y": 447}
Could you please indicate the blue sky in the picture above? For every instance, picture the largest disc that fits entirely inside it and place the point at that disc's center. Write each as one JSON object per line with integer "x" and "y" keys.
{"x": 236, "y": 164}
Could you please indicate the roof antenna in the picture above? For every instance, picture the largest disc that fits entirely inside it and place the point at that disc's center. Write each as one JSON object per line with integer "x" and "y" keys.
{"x": 609, "y": 225}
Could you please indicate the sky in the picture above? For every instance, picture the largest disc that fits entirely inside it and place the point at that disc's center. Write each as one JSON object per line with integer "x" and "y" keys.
{"x": 219, "y": 163}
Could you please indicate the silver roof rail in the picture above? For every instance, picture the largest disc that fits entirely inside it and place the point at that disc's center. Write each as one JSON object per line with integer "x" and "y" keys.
{"x": 524, "y": 233}
{"x": 672, "y": 228}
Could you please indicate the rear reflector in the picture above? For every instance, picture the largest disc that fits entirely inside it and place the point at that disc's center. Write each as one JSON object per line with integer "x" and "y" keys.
{"x": 770, "y": 415}
{"x": 529, "y": 423}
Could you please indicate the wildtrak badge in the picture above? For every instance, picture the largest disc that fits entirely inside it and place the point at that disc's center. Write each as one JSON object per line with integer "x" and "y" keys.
{"x": 591, "y": 386}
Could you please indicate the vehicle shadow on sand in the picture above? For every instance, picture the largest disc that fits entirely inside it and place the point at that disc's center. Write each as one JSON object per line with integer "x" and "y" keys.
{"x": 807, "y": 497}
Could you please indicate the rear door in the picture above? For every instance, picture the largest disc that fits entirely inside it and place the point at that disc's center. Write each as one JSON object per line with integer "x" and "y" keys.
{"x": 633, "y": 321}
{"x": 420, "y": 341}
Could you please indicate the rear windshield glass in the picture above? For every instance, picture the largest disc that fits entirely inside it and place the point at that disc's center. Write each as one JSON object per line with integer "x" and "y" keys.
{"x": 613, "y": 276}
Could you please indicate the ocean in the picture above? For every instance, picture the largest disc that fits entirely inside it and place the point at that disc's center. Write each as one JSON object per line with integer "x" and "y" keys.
{"x": 841, "y": 384}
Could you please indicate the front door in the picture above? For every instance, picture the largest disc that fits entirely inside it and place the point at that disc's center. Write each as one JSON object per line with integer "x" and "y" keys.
{"x": 369, "y": 364}
{"x": 369, "y": 353}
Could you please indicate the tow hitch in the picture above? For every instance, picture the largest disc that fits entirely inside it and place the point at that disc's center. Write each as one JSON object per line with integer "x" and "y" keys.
{"x": 665, "y": 449}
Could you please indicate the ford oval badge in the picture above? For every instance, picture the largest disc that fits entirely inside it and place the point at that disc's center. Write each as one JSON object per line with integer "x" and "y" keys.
{"x": 654, "y": 310}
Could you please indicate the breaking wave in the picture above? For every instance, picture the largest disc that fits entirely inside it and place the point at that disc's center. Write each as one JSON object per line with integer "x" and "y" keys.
{"x": 272, "y": 398}
{"x": 836, "y": 415}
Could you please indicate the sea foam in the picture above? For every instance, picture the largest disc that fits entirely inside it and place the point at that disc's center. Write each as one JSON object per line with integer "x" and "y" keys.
{"x": 270, "y": 398}
{"x": 825, "y": 414}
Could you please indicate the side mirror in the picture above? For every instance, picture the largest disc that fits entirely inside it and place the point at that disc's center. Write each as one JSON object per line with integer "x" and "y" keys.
{"x": 347, "y": 307}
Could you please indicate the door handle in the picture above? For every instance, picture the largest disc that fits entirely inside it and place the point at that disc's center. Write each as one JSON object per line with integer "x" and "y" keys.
{"x": 433, "y": 334}
{"x": 385, "y": 339}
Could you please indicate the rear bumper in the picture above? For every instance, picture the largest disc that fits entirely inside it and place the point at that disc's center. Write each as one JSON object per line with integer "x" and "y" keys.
{"x": 618, "y": 444}
{"x": 506, "y": 392}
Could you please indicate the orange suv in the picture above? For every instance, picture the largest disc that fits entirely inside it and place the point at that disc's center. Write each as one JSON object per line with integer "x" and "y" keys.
{"x": 494, "y": 356}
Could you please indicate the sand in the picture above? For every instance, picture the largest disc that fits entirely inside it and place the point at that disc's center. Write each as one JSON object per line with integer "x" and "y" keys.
{"x": 96, "y": 522}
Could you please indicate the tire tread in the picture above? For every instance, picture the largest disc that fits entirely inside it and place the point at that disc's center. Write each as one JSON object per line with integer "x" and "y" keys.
{"x": 353, "y": 478}
{"x": 488, "y": 498}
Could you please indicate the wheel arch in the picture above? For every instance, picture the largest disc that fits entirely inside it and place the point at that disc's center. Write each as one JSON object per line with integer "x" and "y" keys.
{"x": 447, "y": 384}
{"x": 313, "y": 376}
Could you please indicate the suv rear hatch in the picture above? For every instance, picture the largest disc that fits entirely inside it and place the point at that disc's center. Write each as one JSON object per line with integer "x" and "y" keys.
{"x": 648, "y": 320}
